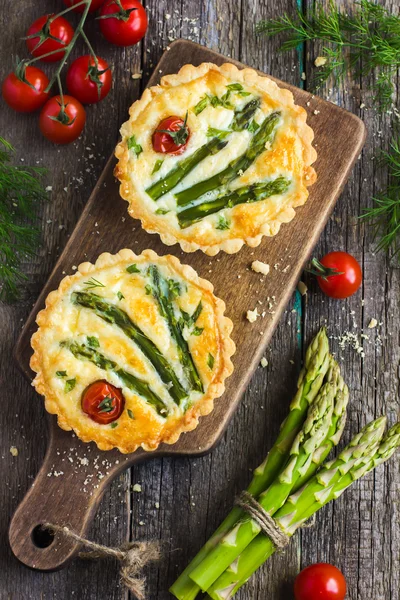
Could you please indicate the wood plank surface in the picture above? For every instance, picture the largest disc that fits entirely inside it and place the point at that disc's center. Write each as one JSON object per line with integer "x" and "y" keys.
{"x": 361, "y": 532}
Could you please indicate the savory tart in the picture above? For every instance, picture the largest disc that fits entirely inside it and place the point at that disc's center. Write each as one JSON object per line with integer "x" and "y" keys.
{"x": 214, "y": 158}
{"x": 131, "y": 350}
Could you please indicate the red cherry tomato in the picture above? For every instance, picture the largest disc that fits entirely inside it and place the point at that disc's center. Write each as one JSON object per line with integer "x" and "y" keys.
{"x": 320, "y": 582}
{"x": 174, "y": 142}
{"x": 103, "y": 402}
{"x": 41, "y": 44}
{"x": 345, "y": 285}
{"x": 88, "y": 83}
{"x": 94, "y": 5}
{"x": 24, "y": 91}
{"x": 62, "y": 126}
{"x": 123, "y": 27}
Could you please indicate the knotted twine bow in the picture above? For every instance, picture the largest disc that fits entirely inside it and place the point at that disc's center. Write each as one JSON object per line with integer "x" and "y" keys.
{"x": 133, "y": 556}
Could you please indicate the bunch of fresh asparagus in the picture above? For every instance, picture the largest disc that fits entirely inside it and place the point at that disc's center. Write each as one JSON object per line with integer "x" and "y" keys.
{"x": 294, "y": 481}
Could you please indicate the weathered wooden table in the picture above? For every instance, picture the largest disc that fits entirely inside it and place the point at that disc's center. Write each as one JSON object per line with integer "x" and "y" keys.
{"x": 183, "y": 500}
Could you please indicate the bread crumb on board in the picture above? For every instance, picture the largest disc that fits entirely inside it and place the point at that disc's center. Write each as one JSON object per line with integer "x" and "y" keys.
{"x": 372, "y": 324}
{"x": 14, "y": 451}
{"x": 260, "y": 267}
{"x": 137, "y": 487}
{"x": 320, "y": 61}
{"x": 264, "y": 362}
{"x": 303, "y": 289}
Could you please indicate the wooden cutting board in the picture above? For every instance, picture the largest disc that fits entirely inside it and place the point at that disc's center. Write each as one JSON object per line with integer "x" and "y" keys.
{"x": 74, "y": 476}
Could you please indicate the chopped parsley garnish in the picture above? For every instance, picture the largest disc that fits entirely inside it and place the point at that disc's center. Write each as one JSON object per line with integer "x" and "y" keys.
{"x": 120, "y": 296}
{"x": 70, "y": 384}
{"x": 61, "y": 373}
{"x": 147, "y": 287}
{"x": 197, "y": 331}
{"x": 114, "y": 425}
{"x": 130, "y": 414}
{"x": 253, "y": 126}
{"x": 162, "y": 211}
{"x": 212, "y": 132}
{"x": 174, "y": 288}
{"x": 201, "y": 105}
{"x": 197, "y": 312}
{"x": 133, "y": 269}
{"x": 106, "y": 405}
{"x": 157, "y": 166}
{"x": 222, "y": 223}
{"x": 93, "y": 341}
{"x": 210, "y": 361}
{"x": 93, "y": 283}
{"x": 237, "y": 87}
{"x": 133, "y": 145}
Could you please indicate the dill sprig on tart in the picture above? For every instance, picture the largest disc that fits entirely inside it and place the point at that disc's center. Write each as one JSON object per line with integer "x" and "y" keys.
{"x": 132, "y": 350}
{"x": 225, "y": 157}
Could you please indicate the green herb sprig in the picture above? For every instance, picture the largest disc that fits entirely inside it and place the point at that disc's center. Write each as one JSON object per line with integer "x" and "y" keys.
{"x": 21, "y": 192}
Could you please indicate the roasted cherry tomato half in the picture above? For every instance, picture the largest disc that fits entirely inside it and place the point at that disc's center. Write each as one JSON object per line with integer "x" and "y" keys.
{"x": 103, "y": 402}
{"x": 123, "y": 27}
{"x": 61, "y": 34}
{"x": 24, "y": 90}
{"x": 348, "y": 279}
{"x": 320, "y": 582}
{"x": 86, "y": 81}
{"x": 62, "y": 125}
{"x": 94, "y": 5}
{"x": 171, "y": 136}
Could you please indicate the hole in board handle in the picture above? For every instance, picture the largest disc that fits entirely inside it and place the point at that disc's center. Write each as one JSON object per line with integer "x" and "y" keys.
{"x": 42, "y": 537}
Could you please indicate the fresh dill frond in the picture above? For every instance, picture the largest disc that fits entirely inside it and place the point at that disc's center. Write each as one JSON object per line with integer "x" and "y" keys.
{"x": 363, "y": 42}
{"x": 384, "y": 216}
{"x": 20, "y": 192}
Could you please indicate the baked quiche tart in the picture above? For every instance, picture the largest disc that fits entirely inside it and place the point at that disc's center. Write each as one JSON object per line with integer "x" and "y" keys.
{"x": 214, "y": 158}
{"x": 132, "y": 350}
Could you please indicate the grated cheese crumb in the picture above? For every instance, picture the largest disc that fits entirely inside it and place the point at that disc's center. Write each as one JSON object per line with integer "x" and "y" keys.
{"x": 137, "y": 487}
{"x": 14, "y": 451}
{"x": 320, "y": 61}
{"x": 252, "y": 315}
{"x": 264, "y": 362}
{"x": 260, "y": 267}
{"x": 373, "y": 323}
{"x": 303, "y": 289}
{"x": 137, "y": 75}
{"x": 303, "y": 76}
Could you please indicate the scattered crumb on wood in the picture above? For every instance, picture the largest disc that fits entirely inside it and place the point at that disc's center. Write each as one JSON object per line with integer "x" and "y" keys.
{"x": 260, "y": 267}
{"x": 373, "y": 323}
{"x": 252, "y": 315}
{"x": 264, "y": 362}
{"x": 320, "y": 61}
{"x": 137, "y": 487}
{"x": 14, "y": 451}
{"x": 303, "y": 289}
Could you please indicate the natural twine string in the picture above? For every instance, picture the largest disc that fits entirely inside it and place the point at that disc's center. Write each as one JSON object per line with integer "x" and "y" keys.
{"x": 268, "y": 525}
{"x": 133, "y": 556}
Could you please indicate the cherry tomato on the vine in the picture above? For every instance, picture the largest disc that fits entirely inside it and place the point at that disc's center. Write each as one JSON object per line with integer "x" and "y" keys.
{"x": 24, "y": 90}
{"x": 320, "y": 582}
{"x": 62, "y": 125}
{"x": 86, "y": 81}
{"x": 171, "y": 136}
{"x": 103, "y": 402}
{"x": 349, "y": 279}
{"x": 48, "y": 34}
{"x": 94, "y": 5}
{"x": 123, "y": 27}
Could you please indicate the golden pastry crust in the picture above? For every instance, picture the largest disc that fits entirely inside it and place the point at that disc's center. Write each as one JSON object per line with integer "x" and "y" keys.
{"x": 63, "y": 320}
{"x": 291, "y": 154}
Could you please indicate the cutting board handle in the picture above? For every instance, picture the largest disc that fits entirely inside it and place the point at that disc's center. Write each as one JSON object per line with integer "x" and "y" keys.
{"x": 66, "y": 491}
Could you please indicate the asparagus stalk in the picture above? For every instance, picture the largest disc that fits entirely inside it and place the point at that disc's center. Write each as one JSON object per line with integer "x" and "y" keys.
{"x": 365, "y": 451}
{"x": 162, "y": 294}
{"x": 264, "y": 135}
{"x": 244, "y": 195}
{"x": 316, "y": 364}
{"x": 241, "y": 120}
{"x": 114, "y": 315}
{"x": 85, "y": 352}
{"x": 314, "y": 433}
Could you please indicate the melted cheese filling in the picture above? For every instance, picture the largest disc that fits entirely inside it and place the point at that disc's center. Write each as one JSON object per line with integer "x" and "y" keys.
{"x": 69, "y": 321}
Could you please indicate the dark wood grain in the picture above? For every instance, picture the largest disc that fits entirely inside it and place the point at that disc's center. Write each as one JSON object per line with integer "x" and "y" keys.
{"x": 103, "y": 226}
{"x": 361, "y": 533}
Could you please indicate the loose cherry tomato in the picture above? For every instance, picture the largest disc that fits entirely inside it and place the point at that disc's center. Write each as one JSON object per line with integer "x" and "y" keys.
{"x": 123, "y": 27}
{"x": 52, "y": 33}
{"x": 24, "y": 90}
{"x": 88, "y": 83}
{"x": 103, "y": 402}
{"x": 320, "y": 582}
{"x": 94, "y": 5}
{"x": 62, "y": 125}
{"x": 347, "y": 280}
{"x": 171, "y": 136}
